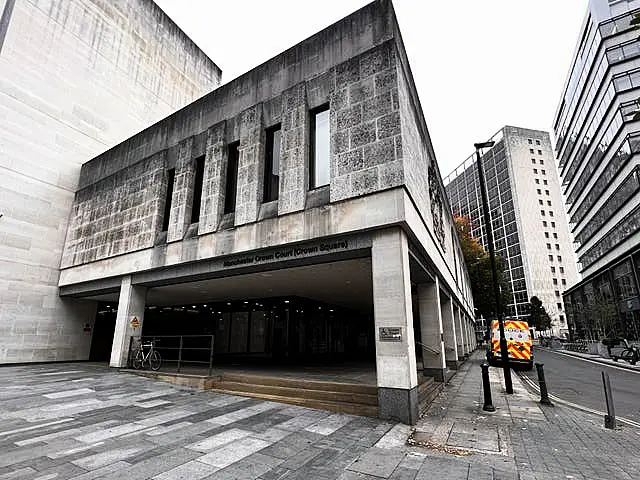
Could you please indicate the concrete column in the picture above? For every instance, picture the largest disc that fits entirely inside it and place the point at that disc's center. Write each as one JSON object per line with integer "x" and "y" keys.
{"x": 433, "y": 355}
{"x": 449, "y": 330}
{"x": 393, "y": 318}
{"x": 471, "y": 333}
{"x": 458, "y": 317}
{"x": 182, "y": 198}
{"x": 130, "y": 304}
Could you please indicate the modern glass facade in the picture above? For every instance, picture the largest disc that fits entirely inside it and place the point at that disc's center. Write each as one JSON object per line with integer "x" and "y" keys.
{"x": 465, "y": 199}
{"x": 597, "y": 131}
{"x": 530, "y": 230}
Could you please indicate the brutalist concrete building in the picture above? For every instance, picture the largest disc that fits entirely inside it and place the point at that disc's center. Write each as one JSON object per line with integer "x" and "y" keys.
{"x": 76, "y": 77}
{"x": 598, "y": 149}
{"x": 296, "y": 214}
{"x": 529, "y": 224}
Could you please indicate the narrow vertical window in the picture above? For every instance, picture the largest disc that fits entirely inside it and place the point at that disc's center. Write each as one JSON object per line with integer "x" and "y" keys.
{"x": 319, "y": 148}
{"x": 167, "y": 203}
{"x": 272, "y": 165}
{"x": 232, "y": 178}
{"x": 197, "y": 190}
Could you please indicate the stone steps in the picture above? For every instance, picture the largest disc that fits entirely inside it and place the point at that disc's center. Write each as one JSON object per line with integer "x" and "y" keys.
{"x": 337, "y": 397}
{"x": 428, "y": 390}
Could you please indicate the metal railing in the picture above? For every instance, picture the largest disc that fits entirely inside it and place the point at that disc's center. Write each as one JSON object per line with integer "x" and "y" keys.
{"x": 181, "y": 350}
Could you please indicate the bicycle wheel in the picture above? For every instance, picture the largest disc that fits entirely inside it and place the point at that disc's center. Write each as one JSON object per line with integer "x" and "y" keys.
{"x": 155, "y": 361}
{"x": 137, "y": 359}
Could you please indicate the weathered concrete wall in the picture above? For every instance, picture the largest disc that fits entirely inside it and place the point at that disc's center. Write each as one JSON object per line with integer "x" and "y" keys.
{"x": 353, "y": 68}
{"x": 76, "y": 77}
{"x": 365, "y": 158}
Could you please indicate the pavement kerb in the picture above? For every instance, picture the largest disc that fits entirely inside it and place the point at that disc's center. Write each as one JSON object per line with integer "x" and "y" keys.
{"x": 586, "y": 356}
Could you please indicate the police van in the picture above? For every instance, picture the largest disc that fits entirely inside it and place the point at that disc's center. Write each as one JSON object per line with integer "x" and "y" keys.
{"x": 519, "y": 344}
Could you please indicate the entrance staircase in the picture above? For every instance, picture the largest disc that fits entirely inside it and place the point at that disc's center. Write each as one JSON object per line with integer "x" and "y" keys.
{"x": 353, "y": 398}
{"x": 428, "y": 389}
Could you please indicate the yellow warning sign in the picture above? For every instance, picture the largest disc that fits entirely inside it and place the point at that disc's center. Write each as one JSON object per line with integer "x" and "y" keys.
{"x": 135, "y": 323}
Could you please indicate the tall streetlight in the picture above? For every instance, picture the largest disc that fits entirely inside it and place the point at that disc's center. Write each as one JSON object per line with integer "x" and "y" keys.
{"x": 494, "y": 271}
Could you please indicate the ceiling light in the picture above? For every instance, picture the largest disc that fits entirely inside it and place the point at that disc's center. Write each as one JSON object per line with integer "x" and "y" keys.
{"x": 286, "y": 301}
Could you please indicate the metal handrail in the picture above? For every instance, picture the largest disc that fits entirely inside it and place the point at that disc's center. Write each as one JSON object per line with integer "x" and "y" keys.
{"x": 180, "y": 361}
{"x": 427, "y": 347}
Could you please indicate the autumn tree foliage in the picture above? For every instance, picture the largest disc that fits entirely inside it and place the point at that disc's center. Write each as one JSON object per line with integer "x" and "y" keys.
{"x": 479, "y": 267}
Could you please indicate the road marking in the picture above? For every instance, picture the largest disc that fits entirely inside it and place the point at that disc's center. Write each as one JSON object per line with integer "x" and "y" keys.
{"x": 557, "y": 399}
{"x": 593, "y": 361}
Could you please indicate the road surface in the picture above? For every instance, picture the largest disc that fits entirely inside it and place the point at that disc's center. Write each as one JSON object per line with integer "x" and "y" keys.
{"x": 580, "y": 382}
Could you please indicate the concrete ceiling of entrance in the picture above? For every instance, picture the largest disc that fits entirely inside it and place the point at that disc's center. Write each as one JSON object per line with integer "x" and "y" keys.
{"x": 347, "y": 283}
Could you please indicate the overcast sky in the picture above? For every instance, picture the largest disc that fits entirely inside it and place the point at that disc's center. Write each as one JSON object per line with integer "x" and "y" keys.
{"x": 478, "y": 64}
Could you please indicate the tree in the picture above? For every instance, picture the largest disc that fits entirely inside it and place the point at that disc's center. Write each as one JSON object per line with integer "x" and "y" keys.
{"x": 539, "y": 318}
{"x": 478, "y": 265}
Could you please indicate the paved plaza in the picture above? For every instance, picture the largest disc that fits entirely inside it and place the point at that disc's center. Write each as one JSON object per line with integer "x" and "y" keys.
{"x": 85, "y": 421}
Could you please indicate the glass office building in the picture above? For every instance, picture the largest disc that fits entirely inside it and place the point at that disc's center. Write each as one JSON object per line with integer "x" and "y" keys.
{"x": 529, "y": 227}
{"x": 597, "y": 135}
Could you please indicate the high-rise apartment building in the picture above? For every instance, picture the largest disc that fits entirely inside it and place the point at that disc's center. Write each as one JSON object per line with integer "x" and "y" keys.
{"x": 76, "y": 77}
{"x": 597, "y": 136}
{"x": 529, "y": 225}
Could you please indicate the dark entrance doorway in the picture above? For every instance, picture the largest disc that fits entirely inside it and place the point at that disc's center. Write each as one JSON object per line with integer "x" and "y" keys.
{"x": 103, "y": 329}
{"x": 276, "y": 330}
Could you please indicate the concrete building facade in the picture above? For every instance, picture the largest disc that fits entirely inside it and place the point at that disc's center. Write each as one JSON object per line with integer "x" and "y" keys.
{"x": 76, "y": 77}
{"x": 296, "y": 211}
{"x": 531, "y": 234}
{"x": 596, "y": 129}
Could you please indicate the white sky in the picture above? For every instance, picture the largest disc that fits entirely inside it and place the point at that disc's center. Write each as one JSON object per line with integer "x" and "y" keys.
{"x": 478, "y": 64}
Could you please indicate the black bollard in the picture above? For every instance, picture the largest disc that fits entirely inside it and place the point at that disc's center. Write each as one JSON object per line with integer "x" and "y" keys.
{"x": 610, "y": 416}
{"x": 486, "y": 387}
{"x": 544, "y": 396}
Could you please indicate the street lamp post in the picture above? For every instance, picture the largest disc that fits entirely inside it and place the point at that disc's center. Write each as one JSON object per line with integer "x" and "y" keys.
{"x": 494, "y": 271}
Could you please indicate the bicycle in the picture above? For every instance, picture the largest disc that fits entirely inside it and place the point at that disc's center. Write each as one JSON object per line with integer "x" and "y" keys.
{"x": 631, "y": 353}
{"x": 152, "y": 356}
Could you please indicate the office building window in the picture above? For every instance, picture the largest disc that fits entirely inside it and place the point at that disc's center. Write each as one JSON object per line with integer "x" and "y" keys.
{"x": 542, "y": 212}
{"x": 555, "y": 235}
{"x": 557, "y": 247}
{"x": 544, "y": 181}
{"x": 561, "y": 269}
{"x": 553, "y": 269}
{"x": 544, "y": 172}
{"x": 197, "y": 190}
{"x": 539, "y": 191}
{"x": 533, "y": 160}
{"x": 530, "y": 141}
{"x": 537, "y": 142}
{"x": 546, "y": 192}
{"x": 544, "y": 222}
{"x": 531, "y": 150}
{"x": 272, "y": 165}
{"x": 553, "y": 224}
{"x": 539, "y": 152}
{"x": 540, "y": 202}
{"x": 555, "y": 281}
{"x": 319, "y": 148}
{"x": 548, "y": 246}
{"x": 546, "y": 234}
{"x": 171, "y": 175}
{"x": 551, "y": 258}
{"x": 549, "y": 202}
{"x": 559, "y": 258}
{"x": 560, "y": 308}
{"x": 538, "y": 181}
{"x": 535, "y": 170}
{"x": 550, "y": 213}
{"x": 232, "y": 178}
{"x": 564, "y": 281}
{"x": 557, "y": 292}
{"x": 541, "y": 162}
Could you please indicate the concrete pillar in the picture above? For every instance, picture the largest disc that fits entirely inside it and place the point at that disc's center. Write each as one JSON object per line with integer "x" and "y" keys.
{"x": 449, "y": 331}
{"x": 471, "y": 333}
{"x": 459, "y": 319}
{"x": 433, "y": 355}
{"x": 395, "y": 346}
{"x": 131, "y": 304}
